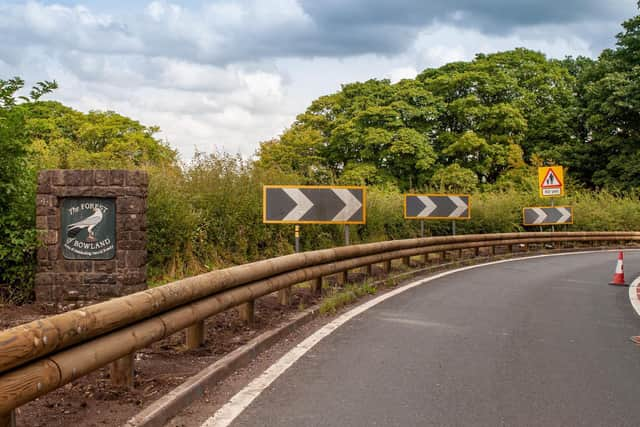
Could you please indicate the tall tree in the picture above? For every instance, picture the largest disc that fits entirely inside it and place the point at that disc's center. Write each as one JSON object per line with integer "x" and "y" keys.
{"x": 612, "y": 108}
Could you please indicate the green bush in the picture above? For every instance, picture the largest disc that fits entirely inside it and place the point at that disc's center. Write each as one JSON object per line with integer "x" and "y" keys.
{"x": 17, "y": 192}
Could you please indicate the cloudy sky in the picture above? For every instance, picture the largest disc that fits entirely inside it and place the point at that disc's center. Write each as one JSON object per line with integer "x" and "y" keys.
{"x": 226, "y": 74}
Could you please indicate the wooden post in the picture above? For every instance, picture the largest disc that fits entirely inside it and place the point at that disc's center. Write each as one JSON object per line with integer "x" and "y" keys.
{"x": 9, "y": 419}
{"x": 343, "y": 277}
{"x": 247, "y": 311}
{"x": 369, "y": 270}
{"x": 406, "y": 261}
{"x": 121, "y": 371}
{"x": 284, "y": 296}
{"x": 195, "y": 335}
{"x": 316, "y": 287}
{"x": 387, "y": 266}
{"x": 425, "y": 258}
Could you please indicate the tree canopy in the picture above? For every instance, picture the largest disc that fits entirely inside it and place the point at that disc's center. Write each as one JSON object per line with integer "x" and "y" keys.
{"x": 474, "y": 123}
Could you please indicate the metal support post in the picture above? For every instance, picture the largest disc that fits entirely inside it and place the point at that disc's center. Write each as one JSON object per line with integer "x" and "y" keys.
{"x": 297, "y": 234}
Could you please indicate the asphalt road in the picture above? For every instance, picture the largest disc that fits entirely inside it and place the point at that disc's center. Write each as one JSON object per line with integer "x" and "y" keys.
{"x": 541, "y": 342}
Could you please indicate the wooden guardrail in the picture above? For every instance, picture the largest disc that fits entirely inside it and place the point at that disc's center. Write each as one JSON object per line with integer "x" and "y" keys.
{"x": 40, "y": 356}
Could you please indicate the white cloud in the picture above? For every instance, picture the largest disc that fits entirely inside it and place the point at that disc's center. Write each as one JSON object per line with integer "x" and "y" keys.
{"x": 400, "y": 73}
{"x": 228, "y": 74}
{"x": 441, "y": 44}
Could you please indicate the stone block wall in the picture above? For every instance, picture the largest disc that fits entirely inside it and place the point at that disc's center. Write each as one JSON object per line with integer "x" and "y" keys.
{"x": 66, "y": 284}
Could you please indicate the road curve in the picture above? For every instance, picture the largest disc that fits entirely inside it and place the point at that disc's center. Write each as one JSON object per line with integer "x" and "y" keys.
{"x": 538, "y": 342}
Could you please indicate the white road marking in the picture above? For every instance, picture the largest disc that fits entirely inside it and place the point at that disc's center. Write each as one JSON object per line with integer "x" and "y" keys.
{"x": 461, "y": 206}
{"x": 303, "y": 204}
{"x": 416, "y": 322}
{"x": 238, "y": 403}
{"x": 633, "y": 295}
{"x": 429, "y": 206}
{"x": 351, "y": 204}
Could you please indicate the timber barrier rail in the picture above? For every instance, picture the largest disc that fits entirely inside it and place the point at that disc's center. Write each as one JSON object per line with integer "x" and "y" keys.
{"x": 40, "y": 356}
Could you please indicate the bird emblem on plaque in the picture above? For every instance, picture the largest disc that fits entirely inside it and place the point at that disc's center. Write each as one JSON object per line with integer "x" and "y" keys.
{"x": 88, "y": 228}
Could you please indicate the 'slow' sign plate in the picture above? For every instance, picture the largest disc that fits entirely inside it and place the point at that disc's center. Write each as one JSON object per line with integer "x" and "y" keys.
{"x": 437, "y": 206}
{"x": 314, "y": 204}
{"x": 549, "y": 215}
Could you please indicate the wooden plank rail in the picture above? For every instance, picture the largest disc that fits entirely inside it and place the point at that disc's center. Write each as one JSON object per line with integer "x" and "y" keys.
{"x": 40, "y": 356}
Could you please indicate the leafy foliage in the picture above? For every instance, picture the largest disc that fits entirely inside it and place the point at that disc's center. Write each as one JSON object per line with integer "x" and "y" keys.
{"x": 474, "y": 124}
{"x": 485, "y": 117}
{"x": 17, "y": 190}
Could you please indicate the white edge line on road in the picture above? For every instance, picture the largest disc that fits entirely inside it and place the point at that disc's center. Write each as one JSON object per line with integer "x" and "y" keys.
{"x": 633, "y": 295}
{"x": 238, "y": 403}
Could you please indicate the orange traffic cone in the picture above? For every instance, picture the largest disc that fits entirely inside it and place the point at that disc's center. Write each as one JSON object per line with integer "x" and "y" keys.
{"x": 618, "y": 276}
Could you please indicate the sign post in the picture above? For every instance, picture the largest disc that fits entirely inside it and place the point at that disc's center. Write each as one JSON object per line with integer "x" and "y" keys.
{"x": 551, "y": 184}
{"x": 313, "y": 204}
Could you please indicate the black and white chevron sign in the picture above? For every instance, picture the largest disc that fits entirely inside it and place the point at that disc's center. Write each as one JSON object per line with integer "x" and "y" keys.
{"x": 551, "y": 215}
{"x": 437, "y": 206}
{"x": 314, "y": 205}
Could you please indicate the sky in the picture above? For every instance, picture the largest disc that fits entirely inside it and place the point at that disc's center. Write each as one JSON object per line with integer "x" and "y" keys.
{"x": 224, "y": 75}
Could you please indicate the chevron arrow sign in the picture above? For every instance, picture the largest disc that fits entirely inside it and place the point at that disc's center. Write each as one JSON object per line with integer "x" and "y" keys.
{"x": 314, "y": 204}
{"x": 437, "y": 206}
{"x": 551, "y": 215}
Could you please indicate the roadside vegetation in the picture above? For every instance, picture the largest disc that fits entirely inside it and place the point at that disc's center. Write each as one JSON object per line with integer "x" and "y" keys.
{"x": 342, "y": 296}
{"x": 481, "y": 127}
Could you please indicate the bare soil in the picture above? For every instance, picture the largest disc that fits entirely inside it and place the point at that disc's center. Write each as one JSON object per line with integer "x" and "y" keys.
{"x": 93, "y": 401}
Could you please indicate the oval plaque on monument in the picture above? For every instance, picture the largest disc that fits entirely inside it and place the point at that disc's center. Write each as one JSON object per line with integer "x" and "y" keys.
{"x": 88, "y": 228}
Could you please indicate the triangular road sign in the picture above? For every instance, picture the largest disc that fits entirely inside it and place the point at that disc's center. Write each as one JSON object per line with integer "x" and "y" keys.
{"x": 551, "y": 180}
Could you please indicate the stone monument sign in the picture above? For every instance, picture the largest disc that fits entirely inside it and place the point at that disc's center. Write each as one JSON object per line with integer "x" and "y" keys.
{"x": 92, "y": 225}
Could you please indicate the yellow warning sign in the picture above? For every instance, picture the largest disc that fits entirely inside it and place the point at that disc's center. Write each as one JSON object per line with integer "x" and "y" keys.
{"x": 551, "y": 181}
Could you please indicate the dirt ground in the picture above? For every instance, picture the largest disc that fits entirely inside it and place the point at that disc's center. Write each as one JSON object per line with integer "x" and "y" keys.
{"x": 92, "y": 401}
